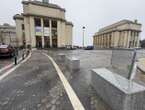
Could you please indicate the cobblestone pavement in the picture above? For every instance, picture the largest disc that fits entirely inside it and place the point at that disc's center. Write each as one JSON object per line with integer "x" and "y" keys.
{"x": 35, "y": 85}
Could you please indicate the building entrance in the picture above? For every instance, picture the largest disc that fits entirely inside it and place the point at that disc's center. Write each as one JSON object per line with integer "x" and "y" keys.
{"x": 38, "y": 42}
{"x": 54, "y": 42}
{"x": 46, "y": 41}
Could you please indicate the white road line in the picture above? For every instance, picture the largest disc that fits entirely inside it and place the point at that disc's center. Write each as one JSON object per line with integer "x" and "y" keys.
{"x": 6, "y": 67}
{"x": 14, "y": 68}
{"x": 9, "y": 66}
{"x": 77, "y": 105}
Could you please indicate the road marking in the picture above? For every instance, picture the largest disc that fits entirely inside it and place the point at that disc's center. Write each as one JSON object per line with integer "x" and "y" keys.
{"x": 9, "y": 66}
{"x": 6, "y": 67}
{"x": 14, "y": 68}
{"x": 77, "y": 105}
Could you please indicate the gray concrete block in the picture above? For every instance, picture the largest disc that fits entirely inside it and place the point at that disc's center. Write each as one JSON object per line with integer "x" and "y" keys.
{"x": 118, "y": 92}
{"x": 72, "y": 63}
{"x": 61, "y": 57}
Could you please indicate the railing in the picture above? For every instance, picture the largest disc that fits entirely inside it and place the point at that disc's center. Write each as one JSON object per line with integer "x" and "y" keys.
{"x": 126, "y": 60}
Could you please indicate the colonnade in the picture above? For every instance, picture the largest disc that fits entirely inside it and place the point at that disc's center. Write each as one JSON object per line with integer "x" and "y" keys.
{"x": 121, "y": 39}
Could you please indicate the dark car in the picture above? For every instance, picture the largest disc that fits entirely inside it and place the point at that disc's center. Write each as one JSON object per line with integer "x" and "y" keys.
{"x": 89, "y": 48}
{"x": 6, "y": 50}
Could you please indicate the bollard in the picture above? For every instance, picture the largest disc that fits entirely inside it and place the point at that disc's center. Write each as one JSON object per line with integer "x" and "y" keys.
{"x": 28, "y": 51}
{"x": 23, "y": 57}
{"x": 15, "y": 56}
{"x": 15, "y": 60}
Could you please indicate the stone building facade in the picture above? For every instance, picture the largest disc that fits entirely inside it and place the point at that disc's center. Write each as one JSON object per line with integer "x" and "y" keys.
{"x": 123, "y": 34}
{"x": 43, "y": 24}
{"x": 8, "y": 34}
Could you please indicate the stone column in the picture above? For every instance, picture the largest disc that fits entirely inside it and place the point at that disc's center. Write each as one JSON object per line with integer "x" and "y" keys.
{"x": 122, "y": 39}
{"x": 138, "y": 40}
{"x": 102, "y": 41}
{"x": 108, "y": 40}
{"x": 27, "y": 30}
{"x": 133, "y": 34}
{"x": 125, "y": 35}
{"x": 99, "y": 40}
{"x": 105, "y": 40}
{"x": 42, "y": 27}
{"x": 96, "y": 41}
{"x": 50, "y": 26}
{"x": 116, "y": 39}
{"x": 32, "y": 33}
{"x": 133, "y": 39}
{"x": 112, "y": 40}
{"x": 129, "y": 39}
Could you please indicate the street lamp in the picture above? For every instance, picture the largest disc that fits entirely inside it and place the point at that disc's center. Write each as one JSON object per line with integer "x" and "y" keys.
{"x": 83, "y": 35}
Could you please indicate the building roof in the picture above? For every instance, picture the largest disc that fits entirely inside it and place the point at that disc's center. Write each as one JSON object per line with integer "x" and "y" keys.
{"x": 50, "y": 5}
{"x": 118, "y": 24}
{"x": 7, "y": 26}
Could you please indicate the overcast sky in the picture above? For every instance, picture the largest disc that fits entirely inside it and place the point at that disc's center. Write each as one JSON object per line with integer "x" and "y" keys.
{"x": 93, "y": 14}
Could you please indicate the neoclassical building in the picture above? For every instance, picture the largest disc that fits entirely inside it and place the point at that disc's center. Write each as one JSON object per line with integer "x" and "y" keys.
{"x": 43, "y": 24}
{"x": 123, "y": 34}
{"x": 8, "y": 34}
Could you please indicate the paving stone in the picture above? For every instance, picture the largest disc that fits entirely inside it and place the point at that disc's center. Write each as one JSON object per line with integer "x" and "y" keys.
{"x": 53, "y": 107}
{"x": 48, "y": 106}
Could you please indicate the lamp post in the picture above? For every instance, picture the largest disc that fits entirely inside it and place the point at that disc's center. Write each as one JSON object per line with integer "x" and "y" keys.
{"x": 84, "y": 35}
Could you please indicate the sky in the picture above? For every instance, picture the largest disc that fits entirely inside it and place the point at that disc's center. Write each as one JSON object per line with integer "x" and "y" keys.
{"x": 93, "y": 14}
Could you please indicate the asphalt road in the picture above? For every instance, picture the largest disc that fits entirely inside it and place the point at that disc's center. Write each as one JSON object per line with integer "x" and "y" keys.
{"x": 35, "y": 85}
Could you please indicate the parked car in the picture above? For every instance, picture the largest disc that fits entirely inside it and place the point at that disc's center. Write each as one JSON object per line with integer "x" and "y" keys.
{"x": 89, "y": 48}
{"x": 6, "y": 50}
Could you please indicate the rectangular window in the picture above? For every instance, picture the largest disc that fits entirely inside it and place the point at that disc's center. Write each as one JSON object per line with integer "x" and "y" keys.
{"x": 46, "y": 22}
{"x": 54, "y": 24}
{"x": 37, "y": 22}
{"x": 23, "y": 27}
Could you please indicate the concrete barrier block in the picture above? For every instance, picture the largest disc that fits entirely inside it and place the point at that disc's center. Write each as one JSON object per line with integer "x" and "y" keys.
{"x": 73, "y": 63}
{"x": 118, "y": 92}
{"x": 61, "y": 57}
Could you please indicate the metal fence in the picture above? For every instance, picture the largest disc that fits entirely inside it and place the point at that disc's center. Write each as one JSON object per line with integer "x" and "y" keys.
{"x": 123, "y": 60}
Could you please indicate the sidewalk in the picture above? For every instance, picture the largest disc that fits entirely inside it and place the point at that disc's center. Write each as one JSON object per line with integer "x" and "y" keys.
{"x": 35, "y": 85}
